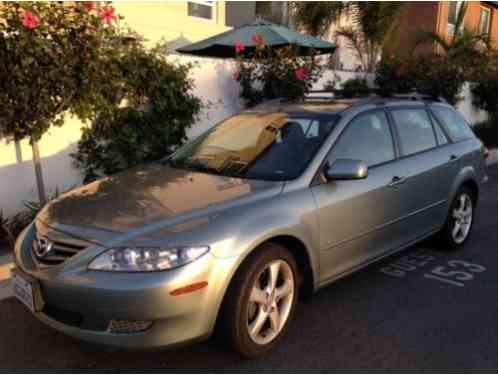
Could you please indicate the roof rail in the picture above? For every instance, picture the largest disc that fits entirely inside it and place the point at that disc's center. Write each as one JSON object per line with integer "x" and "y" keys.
{"x": 418, "y": 96}
{"x": 371, "y": 94}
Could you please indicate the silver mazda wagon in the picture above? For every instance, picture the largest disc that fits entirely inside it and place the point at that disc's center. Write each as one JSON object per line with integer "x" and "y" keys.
{"x": 226, "y": 233}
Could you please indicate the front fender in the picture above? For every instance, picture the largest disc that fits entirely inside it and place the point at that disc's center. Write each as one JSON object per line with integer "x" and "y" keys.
{"x": 293, "y": 216}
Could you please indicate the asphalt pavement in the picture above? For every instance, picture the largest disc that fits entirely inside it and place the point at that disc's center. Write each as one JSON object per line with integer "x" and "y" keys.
{"x": 409, "y": 313}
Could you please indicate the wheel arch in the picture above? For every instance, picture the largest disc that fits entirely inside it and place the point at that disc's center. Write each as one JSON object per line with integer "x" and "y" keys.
{"x": 301, "y": 254}
{"x": 473, "y": 186}
{"x": 466, "y": 177}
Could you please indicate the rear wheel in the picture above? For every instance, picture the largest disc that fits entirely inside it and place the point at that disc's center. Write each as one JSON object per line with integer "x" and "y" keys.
{"x": 458, "y": 226}
{"x": 261, "y": 301}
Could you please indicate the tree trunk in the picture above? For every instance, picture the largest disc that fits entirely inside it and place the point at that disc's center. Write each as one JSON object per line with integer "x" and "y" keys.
{"x": 38, "y": 172}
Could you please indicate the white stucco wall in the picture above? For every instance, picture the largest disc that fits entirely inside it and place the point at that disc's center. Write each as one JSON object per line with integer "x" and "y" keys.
{"x": 17, "y": 178}
{"x": 471, "y": 114}
{"x": 215, "y": 86}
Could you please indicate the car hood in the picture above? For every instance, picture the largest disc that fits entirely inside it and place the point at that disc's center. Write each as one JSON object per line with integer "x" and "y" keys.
{"x": 146, "y": 195}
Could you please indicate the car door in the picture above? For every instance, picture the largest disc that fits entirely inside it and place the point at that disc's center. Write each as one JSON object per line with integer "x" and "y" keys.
{"x": 359, "y": 218}
{"x": 428, "y": 169}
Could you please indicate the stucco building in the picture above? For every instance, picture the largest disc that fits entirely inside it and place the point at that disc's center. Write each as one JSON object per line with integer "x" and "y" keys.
{"x": 440, "y": 17}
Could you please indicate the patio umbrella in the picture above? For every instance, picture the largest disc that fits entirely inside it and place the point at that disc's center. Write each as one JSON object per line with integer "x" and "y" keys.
{"x": 223, "y": 45}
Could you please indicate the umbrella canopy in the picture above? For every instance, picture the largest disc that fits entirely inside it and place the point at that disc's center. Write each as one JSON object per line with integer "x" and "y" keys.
{"x": 223, "y": 45}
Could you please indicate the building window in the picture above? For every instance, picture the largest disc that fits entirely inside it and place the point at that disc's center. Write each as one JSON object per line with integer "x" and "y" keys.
{"x": 453, "y": 10}
{"x": 485, "y": 20}
{"x": 264, "y": 9}
{"x": 201, "y": 9}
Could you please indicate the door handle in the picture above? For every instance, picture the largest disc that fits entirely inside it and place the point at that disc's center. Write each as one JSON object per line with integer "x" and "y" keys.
{"x": 454, "y": 158}
{"x": 397, "y": 180}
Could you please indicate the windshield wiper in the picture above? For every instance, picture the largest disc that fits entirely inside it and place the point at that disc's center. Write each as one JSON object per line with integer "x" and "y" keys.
{"x": 195, "y": 165}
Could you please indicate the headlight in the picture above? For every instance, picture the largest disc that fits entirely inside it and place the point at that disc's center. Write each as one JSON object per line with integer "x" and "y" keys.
{"x": 145, "y": 259}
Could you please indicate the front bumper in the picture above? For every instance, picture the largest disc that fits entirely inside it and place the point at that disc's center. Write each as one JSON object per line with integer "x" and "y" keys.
{"x": 81, "y": 303}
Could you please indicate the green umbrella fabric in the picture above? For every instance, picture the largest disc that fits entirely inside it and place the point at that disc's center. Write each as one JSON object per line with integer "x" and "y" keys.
{"x": 223, "y": 45}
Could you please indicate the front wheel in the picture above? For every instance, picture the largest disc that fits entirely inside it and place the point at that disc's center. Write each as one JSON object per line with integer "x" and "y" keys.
{"x": 460, "y": 219}
{"x": 261, "y": 301}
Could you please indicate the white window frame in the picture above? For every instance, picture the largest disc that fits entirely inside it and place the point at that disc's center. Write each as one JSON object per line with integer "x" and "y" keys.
{"x": 488, "y": 11}
{"x": 214, "y": 10}
{"x": 451, "y": 26}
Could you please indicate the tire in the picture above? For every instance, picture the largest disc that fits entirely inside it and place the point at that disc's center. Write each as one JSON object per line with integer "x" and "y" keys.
{"x": 459, "y": 216}
{"x": 241, "y": 312}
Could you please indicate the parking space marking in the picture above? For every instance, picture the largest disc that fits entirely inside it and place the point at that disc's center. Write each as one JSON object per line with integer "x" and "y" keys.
{"x": 455, "y": 272}
{"x": 409, "y": 263}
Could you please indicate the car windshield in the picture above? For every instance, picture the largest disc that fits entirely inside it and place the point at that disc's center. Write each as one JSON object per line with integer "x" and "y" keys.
{"x": 270, "y": 146}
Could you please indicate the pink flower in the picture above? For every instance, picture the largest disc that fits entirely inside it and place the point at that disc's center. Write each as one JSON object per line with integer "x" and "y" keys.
{"x": 258, "y": 40}
{"x": 89, "y": 5}
{"x": 107, "y": 15}
{"x": 237, "y": 76}
{"x": 29, "y": 20}
{"x": 301, "y": 74}
{"x": 239, "y": 47}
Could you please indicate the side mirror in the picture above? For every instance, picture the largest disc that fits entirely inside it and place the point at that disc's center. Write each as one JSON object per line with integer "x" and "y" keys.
{"x": 346, "y": 169}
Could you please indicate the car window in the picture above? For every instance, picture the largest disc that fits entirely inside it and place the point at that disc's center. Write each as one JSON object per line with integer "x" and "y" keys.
{"x": 267, "y": 146}
{"x": 414, "y": 130}
{"x": 309, "y": 126}
{"x": 442, "y": 139}
{"x": 367, "y": 138}
{"x": 454, "y": 123}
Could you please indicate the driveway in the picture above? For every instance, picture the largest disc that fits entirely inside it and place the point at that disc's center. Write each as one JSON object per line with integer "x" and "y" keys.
{"x": 406, "y": 314}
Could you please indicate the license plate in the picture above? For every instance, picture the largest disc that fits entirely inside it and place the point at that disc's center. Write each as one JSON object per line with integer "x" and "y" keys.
{"x": 25, "y": 289}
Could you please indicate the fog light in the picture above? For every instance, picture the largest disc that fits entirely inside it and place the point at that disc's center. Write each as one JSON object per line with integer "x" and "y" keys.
{"x": 128, "y": 326}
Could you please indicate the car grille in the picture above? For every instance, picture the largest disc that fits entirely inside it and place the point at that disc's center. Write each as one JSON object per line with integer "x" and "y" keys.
{"x": 60, "y": 250}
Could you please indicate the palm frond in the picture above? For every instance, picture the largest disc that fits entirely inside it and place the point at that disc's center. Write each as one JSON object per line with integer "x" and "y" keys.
{"x": 459, "y": 24}
{"x": 316, "y": 16}
{"x": 354, "y": 41}
{"x": 424, "y": 37}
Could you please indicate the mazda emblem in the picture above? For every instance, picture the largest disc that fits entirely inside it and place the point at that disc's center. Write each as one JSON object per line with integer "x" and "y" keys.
{"x": 44, "y": 246}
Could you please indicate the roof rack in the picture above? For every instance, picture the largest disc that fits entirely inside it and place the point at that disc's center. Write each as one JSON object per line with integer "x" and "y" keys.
{"x": 370, "y": 95}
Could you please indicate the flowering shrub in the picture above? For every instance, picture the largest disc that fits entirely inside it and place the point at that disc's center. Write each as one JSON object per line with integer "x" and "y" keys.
{"x": 355, "y": 87}
{"x": 392, "y": 76}
{"x": 485, "y": 86}
{"x": 53, "y": 59}
{"x": 159, "y": 109}
{"x": 274, "y": 72}
{"x": 57, "y": 59}
{"x": 433, "y": 75}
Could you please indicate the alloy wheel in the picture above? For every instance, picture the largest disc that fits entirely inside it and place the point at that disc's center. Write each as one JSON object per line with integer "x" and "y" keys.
{"x": 462, "y": 218}
{"x": 270, "y": 302}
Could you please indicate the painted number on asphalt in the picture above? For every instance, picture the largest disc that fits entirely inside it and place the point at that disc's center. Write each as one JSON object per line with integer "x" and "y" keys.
{"x": 407, "y": 264}
{"x": 456, "y": 272}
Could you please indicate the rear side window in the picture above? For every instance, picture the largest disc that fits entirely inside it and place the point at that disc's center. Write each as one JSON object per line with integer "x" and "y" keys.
{"x": 442, "y": 139}
{"x": 414, "y": 130}
{"x": 367, "y": 138}
{"x": 454, "y": 124}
